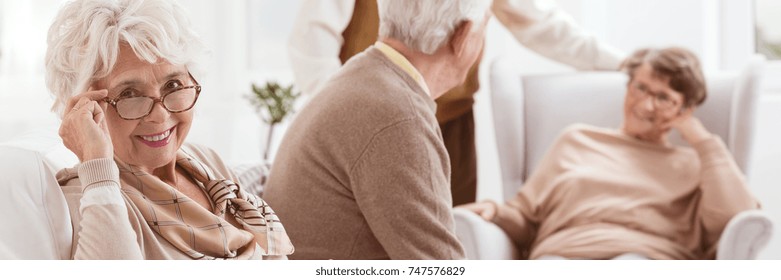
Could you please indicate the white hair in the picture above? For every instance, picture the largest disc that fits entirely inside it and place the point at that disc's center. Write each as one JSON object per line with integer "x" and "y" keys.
{"x": 85, "y": 37}
{"x": 424, "y": 25}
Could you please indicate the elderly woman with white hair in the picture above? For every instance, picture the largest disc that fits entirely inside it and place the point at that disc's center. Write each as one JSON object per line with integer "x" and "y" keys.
{"x": 121, "y": 73}
{"x": 363, "y": 172}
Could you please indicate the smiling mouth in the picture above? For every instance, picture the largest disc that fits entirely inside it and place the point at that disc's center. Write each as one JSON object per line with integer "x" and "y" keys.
{"x": 157, "y": 140}
{"x": 644, "y": 118}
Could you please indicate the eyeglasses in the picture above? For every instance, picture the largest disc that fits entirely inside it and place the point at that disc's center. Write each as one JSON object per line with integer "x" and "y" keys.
{"x": 662, "y": 101}
{"x": 175, "y": 99}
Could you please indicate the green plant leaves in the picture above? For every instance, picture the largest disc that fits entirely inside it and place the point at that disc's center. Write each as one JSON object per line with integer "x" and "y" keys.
{"x": 273, "y": 101}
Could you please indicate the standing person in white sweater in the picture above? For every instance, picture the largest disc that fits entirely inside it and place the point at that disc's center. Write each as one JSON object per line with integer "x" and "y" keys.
{"x": 328, "y": 33}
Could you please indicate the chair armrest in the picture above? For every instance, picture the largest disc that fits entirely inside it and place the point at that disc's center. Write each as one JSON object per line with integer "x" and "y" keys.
{"x": 482, "y": 240}
{"x": 745, "y": 236}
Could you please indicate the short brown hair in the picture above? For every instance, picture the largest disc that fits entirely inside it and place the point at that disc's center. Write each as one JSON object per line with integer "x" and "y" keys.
{"x": 679, "y": 65}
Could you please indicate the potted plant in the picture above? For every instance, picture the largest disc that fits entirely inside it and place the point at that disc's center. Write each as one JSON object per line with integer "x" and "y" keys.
{"x": 273, "y": 102}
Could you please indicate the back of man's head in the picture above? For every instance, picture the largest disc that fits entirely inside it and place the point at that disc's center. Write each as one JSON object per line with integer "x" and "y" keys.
{"x": 424, "y": 25}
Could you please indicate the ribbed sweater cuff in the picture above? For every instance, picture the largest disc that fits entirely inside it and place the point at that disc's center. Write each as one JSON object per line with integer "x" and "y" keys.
{"x": 100, "y": 178}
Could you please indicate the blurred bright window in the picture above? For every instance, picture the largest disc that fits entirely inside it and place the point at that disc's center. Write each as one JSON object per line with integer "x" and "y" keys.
{"x": 768, "y": 28}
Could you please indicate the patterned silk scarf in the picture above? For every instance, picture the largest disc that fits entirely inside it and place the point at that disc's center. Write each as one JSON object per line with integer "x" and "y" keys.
{"x": 196, "y": 231}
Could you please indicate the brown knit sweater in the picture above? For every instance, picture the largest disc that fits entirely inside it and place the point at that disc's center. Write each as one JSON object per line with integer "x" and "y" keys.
{"x": 362, "y": 172}
{"x": 362, "y": 33}
{"x": 598, "y": 193}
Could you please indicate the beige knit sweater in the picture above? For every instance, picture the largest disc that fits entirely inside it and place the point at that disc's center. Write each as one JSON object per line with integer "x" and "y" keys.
{"x": 598, "y": 193}
{"x": 362, "y": 172}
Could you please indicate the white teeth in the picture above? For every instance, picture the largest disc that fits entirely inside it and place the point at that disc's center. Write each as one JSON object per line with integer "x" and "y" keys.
{"x": 158, "y": 137}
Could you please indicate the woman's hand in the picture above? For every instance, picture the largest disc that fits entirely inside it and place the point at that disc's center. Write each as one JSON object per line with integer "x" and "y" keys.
{"x": 84, "y": 130}
{"x": 690, "y": 127}
{"x": 486, "y": 209}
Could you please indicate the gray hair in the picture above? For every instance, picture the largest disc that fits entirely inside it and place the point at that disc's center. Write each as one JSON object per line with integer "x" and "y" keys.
{"x": 85, "y": 37}
{"x": 424, "y": 25}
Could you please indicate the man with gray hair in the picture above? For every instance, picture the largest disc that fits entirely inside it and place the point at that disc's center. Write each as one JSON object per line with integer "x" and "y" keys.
{"x": 328, "y": 33}
{"x": 362, "y": 172}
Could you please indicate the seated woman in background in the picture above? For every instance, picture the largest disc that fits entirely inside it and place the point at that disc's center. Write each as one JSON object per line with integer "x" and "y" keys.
{"x": 120, "y": 71}
{"x": 602, "y": 193}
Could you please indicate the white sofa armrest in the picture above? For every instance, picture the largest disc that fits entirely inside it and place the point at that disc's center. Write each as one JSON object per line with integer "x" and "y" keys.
{"x": 36, "y": 224}
{"x": 482, "y": 240}
{"x": 745, "y": 236}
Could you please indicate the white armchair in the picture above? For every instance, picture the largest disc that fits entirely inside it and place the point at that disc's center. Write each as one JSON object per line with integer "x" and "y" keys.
{"x": 530, "y": 111}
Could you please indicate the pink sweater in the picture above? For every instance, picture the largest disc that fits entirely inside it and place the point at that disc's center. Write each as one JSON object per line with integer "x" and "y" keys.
{"x": 599, "y": 193}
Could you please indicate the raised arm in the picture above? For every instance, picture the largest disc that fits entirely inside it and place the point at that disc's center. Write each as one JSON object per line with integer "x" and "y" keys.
{"x": 549, "y": 31}
{"x": 724, "y": 189}
{"x": 316, "y": 40}
{"x": 101, "y": 225}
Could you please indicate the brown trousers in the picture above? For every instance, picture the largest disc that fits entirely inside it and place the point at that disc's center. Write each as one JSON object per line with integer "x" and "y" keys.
{"x": 459, "y": 137}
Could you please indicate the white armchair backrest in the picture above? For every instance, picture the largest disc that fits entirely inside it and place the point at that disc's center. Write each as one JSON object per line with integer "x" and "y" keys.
{"x": 530, "y": 111}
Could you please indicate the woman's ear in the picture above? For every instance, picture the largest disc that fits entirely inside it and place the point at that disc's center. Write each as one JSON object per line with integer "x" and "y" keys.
{"x": 458, "y": 42}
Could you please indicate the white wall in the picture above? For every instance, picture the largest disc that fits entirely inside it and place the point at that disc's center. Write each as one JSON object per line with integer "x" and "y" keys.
{"x": 248, "y": 42}
{"x": 24, "y": 102}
